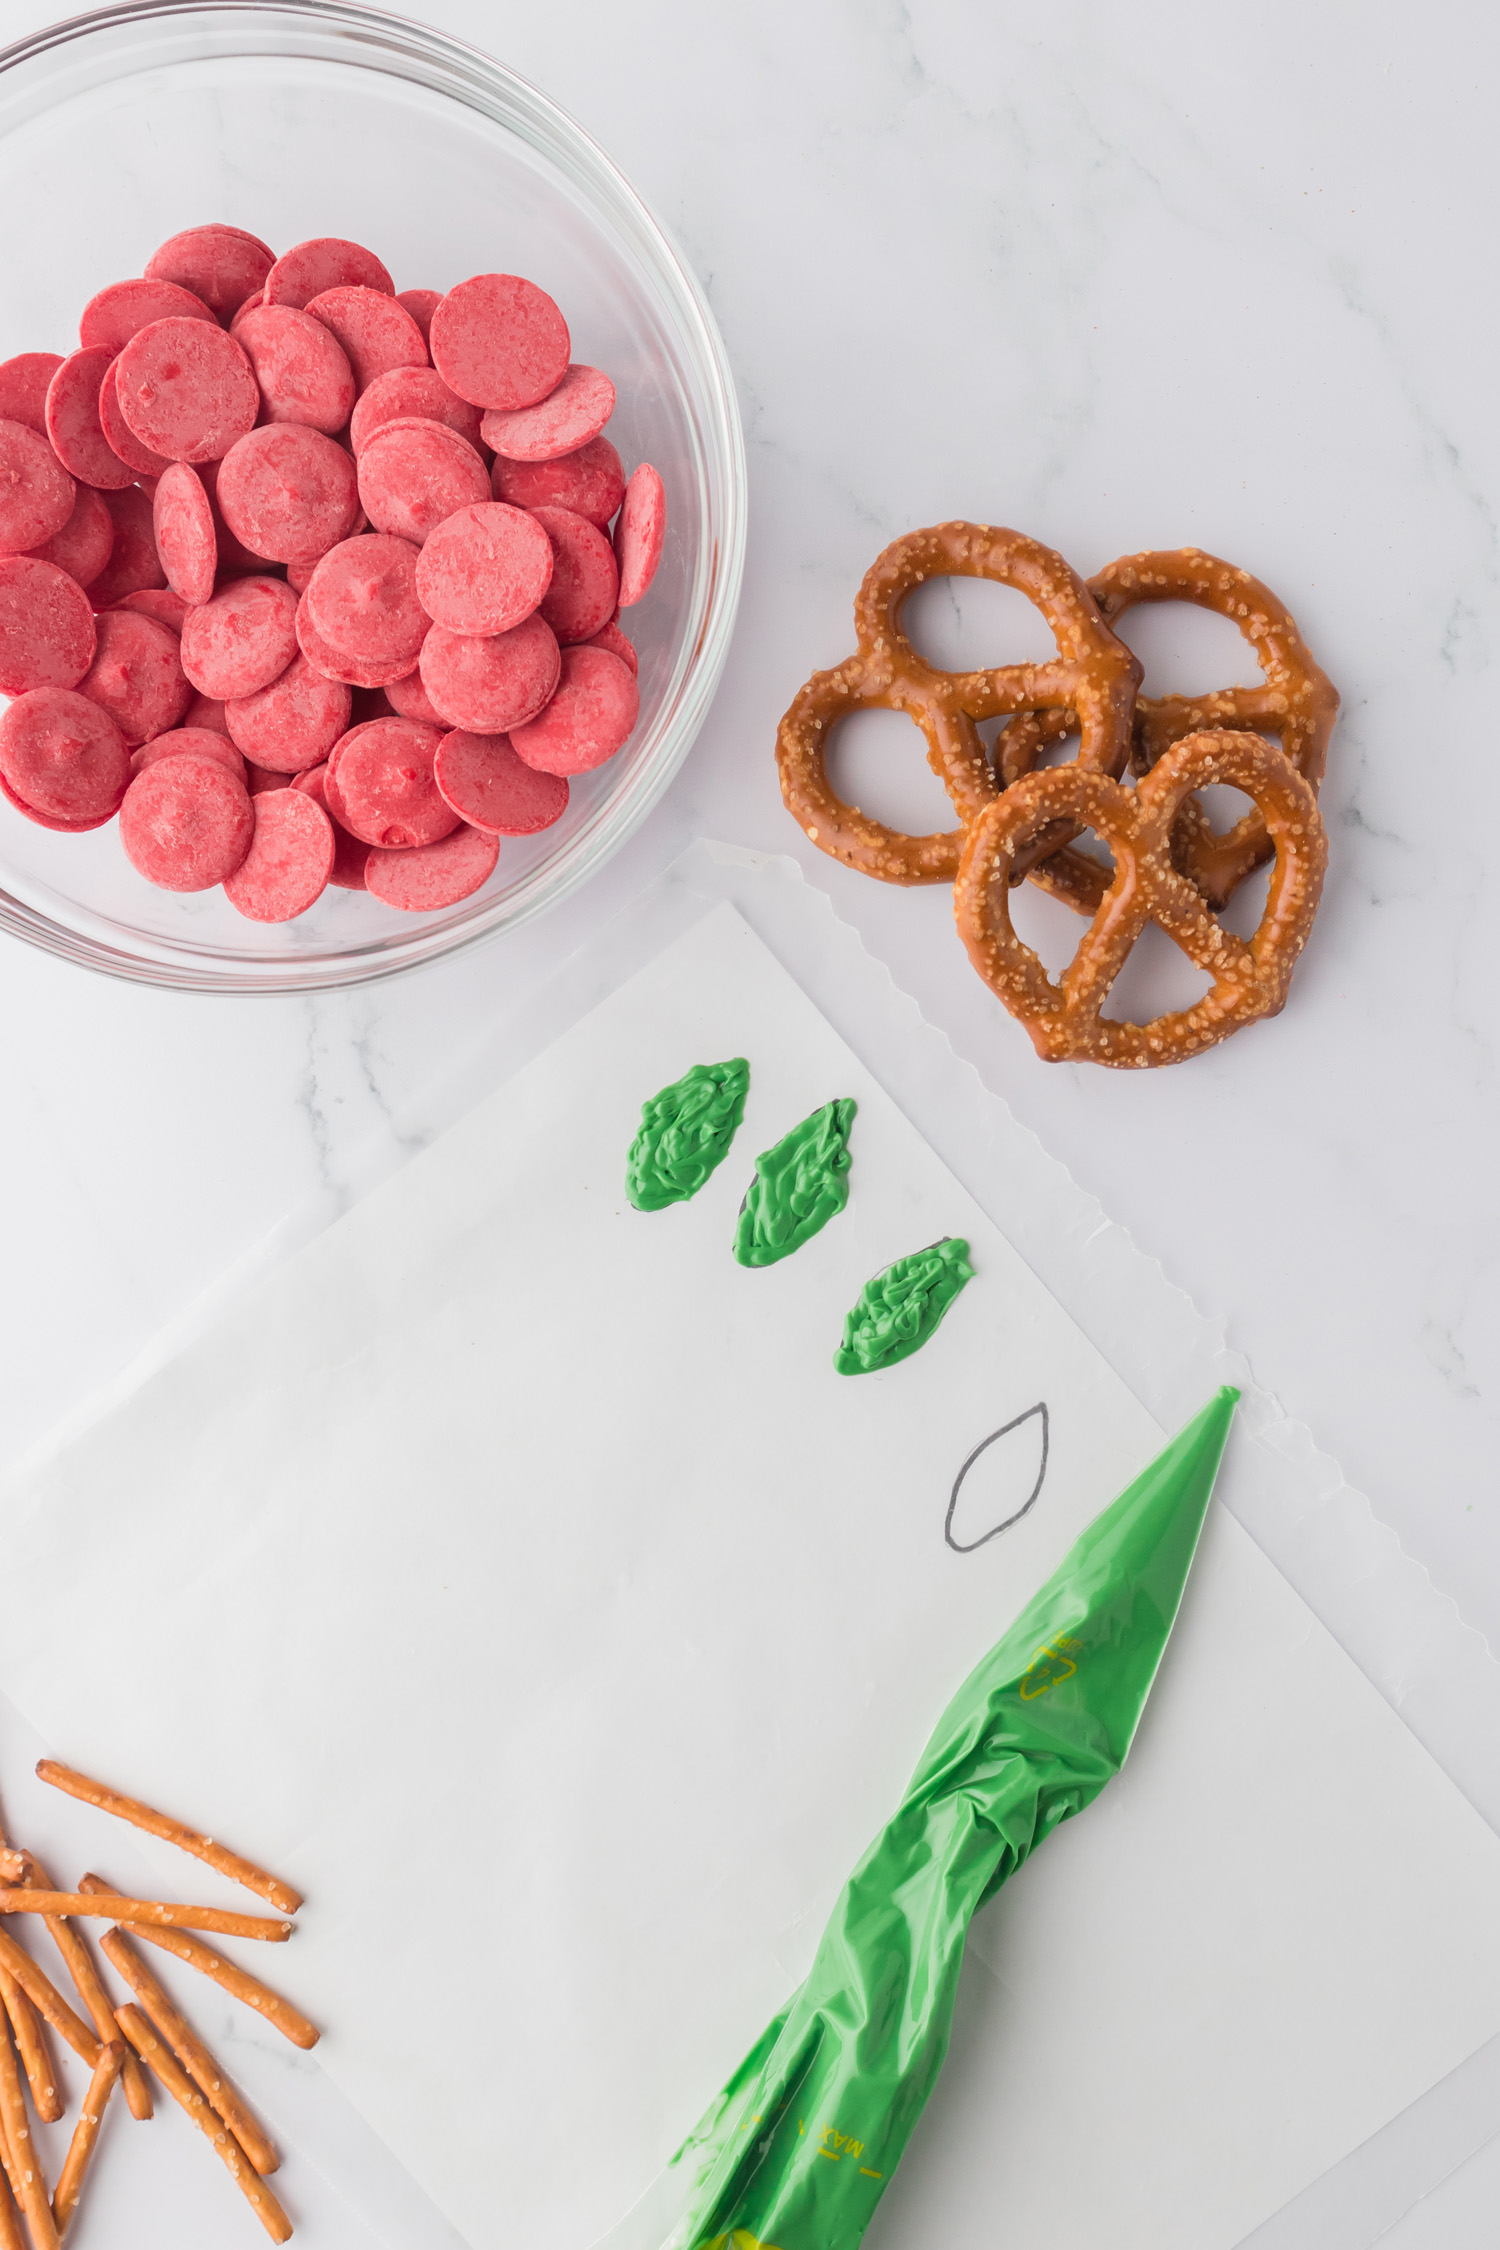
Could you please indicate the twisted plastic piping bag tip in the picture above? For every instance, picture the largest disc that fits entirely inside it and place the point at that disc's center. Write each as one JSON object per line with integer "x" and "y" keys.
{"x": 797, "y": 2149}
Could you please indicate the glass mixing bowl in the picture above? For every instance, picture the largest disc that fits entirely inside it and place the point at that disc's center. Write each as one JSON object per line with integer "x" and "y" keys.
{"x": 120, "y": 128}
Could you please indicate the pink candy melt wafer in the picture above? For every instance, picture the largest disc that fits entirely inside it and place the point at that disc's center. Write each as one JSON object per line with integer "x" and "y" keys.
{"x": 384, "y": 791}
{"x": 611, "y": 638}
{"x": 498, "y": 340}
{"x": 411, "y": 391}
{"x": 235, "y": 558}
{"x": 73, "y": 425}
{"x": 137, "y": 675}
{"x": 437, "y": 875}
{"x": 45, "y": 820}
{"x": 326, "y": 262}
{"x": 189, "y": 742}
{"x": 86, "y": 540}
{"x": 118, "y": 434}
{"x": 491, "y": 683}
{"x": 63, "y": 757}
{"x": 243, "y": 639}
{"x": 410, "y": 700}
{"x": 594, "y": 709}
{"x": 289, "y": 861}
{"x": 121, "y": 311}
{"x": 421, "y": 304}
{"x": 487, "y": 785}
{"x": 24, "y": 382}
{"x": 134, "y": 565}
{"x": 566, "y": 419}
{"x": 293, "y": 723}
{"x": 359, "y": 673}
{"x": 585, "y": 584}
{"x": 363, "y": 600}
{"x": 287, "y": 492}
{"x": 186, "y": 541}
{"x": 591, "y": 482}
{"x": 639, "y": 533}
{"x": 206, "y": 711}
{"x": 221, "y": 265}
{"x": 413, "y": 475}
{"x": 484, "y": 569}
{"x": 186, "y": 823}
{"x": 36, "y": 491}
{"x": 186, "y": 389}
{"x": 47, "y": 631}
{"x": 349, "y": 854}
{"x": 261, "y": 779}
{"x": 375, "y": 331}
{"x": 301, "y": 367}
{"x": 160, "y": 602}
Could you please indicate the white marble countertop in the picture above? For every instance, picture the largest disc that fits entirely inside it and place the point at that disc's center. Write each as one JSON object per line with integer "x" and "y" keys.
{"x": 1120, "y": 278}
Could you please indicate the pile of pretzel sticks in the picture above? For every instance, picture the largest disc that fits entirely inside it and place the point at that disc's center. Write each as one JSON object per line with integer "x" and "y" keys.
{"x": 144, "y": 2040}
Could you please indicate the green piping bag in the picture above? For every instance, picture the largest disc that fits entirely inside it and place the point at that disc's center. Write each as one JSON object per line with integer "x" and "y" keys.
{"x": 797, "y": 2150}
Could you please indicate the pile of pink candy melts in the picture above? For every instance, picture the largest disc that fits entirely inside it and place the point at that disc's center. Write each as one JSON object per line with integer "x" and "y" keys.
{"x": 311, "y": 582}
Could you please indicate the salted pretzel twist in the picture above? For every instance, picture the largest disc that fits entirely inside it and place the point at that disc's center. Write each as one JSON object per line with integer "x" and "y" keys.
{"x": 1250, "y": 980}
{"x": 1093, "y": 678}
{"x": 1296, "y": 700}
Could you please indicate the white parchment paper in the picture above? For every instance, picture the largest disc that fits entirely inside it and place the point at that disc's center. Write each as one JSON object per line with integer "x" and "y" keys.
{"x": 527, "y": 1586}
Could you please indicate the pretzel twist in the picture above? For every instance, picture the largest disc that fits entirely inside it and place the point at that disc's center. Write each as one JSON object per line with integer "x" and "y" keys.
{"x": 1296, "y": 700}
{"x": 1249, "y": 980}
{"x": 1093, "y": 676}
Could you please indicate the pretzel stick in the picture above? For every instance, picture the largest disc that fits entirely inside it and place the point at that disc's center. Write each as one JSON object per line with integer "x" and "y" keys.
{"x": 91, "y": 1991}
{"x": 33, "y": 2037}
{"x": 289, "y": 2021}
{"x": 12, "y": 2227}
{"x": 243, "y": 1871}
{"x": 38, "y": 1987}
{"x": 24, "y": 2166}
{"x": 7, "y": 2161}
{"x": 115, "y": 1908}
{"x": 10, "y": 2199}
{"x": 31, "y": 2042}
{"x": 207, "y": 2120}
{"x": 31, "y": 2045}
{"x": 190, "y": 2050}
{"x": 70, "y": 2179}
{"x": 11, "y": 2237}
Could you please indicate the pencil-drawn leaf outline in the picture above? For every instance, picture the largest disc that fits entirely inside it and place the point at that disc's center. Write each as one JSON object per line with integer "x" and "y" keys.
{"x": 1007, "y": 1429}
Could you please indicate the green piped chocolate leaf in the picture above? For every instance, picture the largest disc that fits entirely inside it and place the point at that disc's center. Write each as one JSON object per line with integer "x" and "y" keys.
{"x": 899, "y": 1309}
{"x": 685, "y": 1133}
{"x": 799, "y": 1185}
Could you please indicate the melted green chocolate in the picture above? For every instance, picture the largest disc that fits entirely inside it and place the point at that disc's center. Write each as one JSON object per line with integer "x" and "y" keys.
{"x": 799, "y": 1185}
{"x": 902, "y": 1307}
{"x": 685, "y": 1133}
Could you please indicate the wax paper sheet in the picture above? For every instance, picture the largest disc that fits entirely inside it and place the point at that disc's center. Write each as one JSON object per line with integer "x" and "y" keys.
{"x": 534, "y": 1551}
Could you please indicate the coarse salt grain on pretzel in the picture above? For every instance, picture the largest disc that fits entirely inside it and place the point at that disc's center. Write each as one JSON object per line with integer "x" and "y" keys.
{"x": 1250, "y": 980}
{"x": 1296, "y": 700}
{"x": 1093, "y": 674}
